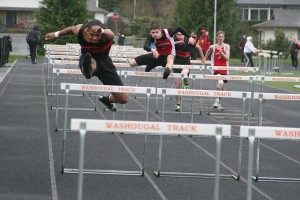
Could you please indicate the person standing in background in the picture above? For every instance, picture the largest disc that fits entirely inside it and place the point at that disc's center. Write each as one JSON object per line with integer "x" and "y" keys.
{"x": 294, "y": 53}
{"x": 248, "y": 49}
{"x": 33, "y": 38}
{"x": 203, "y": 41}
{"x": 121, "y": 38}
{"x": 241, "y": 45}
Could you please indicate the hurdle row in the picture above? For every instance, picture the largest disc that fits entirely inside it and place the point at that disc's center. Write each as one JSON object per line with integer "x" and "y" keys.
{"x": 272, "y": 61}
{"x": 260, "y": 96}
{"x": 83, "y": 126}
{"x": 157, "y": 75}
{"x": 175, "y": 75}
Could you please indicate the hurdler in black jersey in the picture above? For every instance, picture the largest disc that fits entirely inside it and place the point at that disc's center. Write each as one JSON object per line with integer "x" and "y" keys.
{"x": 95, "y": 41}
{"x": 183, "y": 57}
{"x": 164, "y": 51}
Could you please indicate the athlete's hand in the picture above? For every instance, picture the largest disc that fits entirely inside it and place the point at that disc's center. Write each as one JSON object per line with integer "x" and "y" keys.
{"x": 155, "y": 53}
{"x": 203, "y": 60}
{"x": 192, "y": 41}
{"x": 50, "y": 36}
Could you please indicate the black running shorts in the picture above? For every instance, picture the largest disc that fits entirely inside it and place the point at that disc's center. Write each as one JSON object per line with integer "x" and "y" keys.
{"x": 148, "y": 59}
{"x": 106, "y": 71}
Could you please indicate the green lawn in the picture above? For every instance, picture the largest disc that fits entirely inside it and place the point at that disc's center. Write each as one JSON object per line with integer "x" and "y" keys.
{"x": 282, "y": 85}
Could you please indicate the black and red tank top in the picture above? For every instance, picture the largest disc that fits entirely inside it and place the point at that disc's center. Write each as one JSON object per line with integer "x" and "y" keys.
{"x": 165, "y": 45}
{"x": 96, "y": 50}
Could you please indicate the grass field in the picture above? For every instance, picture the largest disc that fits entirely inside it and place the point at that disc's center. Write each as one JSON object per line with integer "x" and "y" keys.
{"x": 235, "y": 61}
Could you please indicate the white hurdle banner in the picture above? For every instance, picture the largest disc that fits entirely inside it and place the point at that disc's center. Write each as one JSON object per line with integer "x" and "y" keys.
{"x": 243, "y": 69}
{"x": 279, "y": 133}
{"x": 145, "y": 128}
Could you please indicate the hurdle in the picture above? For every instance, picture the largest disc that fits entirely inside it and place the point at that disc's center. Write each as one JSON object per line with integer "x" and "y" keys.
{"x": 202, "y": 93}
{"x": 57, "y": 63}
{"x": 199, "y": 93}
{"x": 270, "y": 96}
{"x": 142, "y": 127}
{"x": 279, "y": 133}
{"x": 100, "y": 88}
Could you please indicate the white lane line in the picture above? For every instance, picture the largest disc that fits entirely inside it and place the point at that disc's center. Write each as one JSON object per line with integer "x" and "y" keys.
{"x": 50, "y": 149}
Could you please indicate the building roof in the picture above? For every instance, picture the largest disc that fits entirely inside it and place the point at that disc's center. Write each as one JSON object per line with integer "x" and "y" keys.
{"x": 268, "y": 2}
{"x": 19, "y": 5}
{"x": 92, "y": 7}
{"x": 283, "y": 18}
{"x": 32, "y": 5}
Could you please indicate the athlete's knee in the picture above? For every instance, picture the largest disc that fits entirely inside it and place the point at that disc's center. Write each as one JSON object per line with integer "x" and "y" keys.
{"x": 220, "y": 84}
{"x": 123, "y": 99}
{"x": 132, "y": 63}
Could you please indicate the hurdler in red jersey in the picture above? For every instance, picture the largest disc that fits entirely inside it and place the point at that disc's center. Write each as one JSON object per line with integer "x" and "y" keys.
{"x": 220, "y": 54}
{"x": 164, "y": 52}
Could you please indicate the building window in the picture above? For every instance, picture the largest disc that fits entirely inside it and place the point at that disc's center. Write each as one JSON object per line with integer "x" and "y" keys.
{"x": 255, "y": 14}
{"x": 263, "y": 15}
{"x": 11, "y": 17}
{"x": 245, "y": 14}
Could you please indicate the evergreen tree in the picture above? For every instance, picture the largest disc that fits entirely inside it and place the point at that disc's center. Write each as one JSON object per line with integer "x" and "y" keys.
{"x": 55, "y": 15}
{"x": 110, "y": 5}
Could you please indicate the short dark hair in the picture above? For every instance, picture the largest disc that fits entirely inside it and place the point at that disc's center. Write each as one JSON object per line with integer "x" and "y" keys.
{"x": 154, "y": 26}
{"x": 95, "y": 22}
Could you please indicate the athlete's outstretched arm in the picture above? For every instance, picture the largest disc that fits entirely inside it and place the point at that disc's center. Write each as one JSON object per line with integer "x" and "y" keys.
{"x": 72, "y": 30}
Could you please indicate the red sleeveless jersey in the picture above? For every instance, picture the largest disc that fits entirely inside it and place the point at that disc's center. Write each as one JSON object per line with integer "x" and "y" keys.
{"x": 219, "y": 60}
{"x": 165, "y": 45}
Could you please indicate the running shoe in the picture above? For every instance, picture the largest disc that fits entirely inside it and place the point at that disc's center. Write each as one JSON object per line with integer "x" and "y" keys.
{"x": 177, "y": 108}
{"x": 87, "y": 65}
{"x": 107, "y": 103}
{"x": 167, "y": 72}
{"x": 149, "y": 68}
{"x": 185, "y": 86}
{"x": 218, "y": 106}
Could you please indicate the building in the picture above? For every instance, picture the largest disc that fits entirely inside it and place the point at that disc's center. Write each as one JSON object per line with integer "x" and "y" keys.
{"x": 20, "y": 14}
{"x": 272, "y": 14}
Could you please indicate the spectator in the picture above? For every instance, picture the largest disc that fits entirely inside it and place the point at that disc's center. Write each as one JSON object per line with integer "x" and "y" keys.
{"x": 241, "y": 45}
{"x": 204, "y": 41}
{"x": 248, "y": 49}
{"x": 121, "y": 38}
{"x": 33, "y": 39}
{"x": 294, "y": 53}
{"x": 8, "y": 46}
